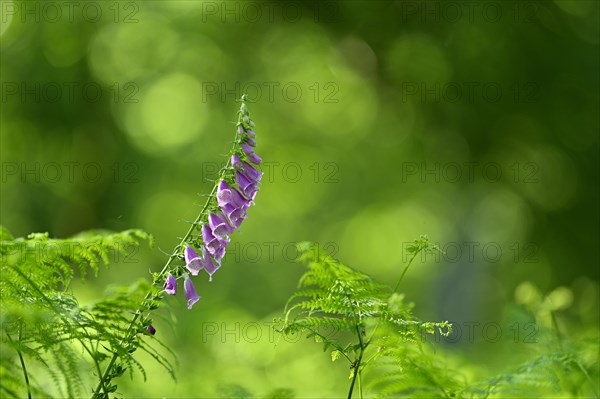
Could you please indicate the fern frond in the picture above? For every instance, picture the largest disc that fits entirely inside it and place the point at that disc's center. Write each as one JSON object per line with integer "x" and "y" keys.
{"x": 544, "y": 375}
{"x": 333, "y": 300}
{"x": 409, "y": 370}
{"x": 53, "y": 328}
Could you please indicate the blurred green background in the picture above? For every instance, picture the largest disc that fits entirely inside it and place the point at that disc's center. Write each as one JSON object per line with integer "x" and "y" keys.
{"x": 476, "y": 123}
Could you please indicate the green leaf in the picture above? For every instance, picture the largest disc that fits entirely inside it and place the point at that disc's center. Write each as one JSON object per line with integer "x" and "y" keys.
{"x": 335, "y": 355}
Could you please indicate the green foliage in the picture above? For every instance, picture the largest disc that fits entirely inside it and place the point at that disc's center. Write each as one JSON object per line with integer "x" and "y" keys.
{"x": 374, "y": 329}
{"x": 35, "y": 283}
{"x": 563, "y": 367}
{"x": 45, "y": 330}
{"x": 334, "y": 297}
{"x": 347, "y": 310}
{"x": 231, "y": 391}
{"x": 409, "y": 369}
{"x": 558, "y": 367}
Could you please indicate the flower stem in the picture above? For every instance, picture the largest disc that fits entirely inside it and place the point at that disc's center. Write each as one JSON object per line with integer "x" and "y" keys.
{"x": 106, "y": 377}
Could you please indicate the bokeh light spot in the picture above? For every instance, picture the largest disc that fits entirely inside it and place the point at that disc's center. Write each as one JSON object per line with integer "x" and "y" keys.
{"x": 553, "y": 179}
{"x": 63, "y": 43}
{"x": 417, "y": 59}
{"x": 6, "y": 15}
{"x": 128, "y": 52}
{"x": 370, "y": 234}
{"x": 169, "y": 115}
{"x": 500, "y": 217}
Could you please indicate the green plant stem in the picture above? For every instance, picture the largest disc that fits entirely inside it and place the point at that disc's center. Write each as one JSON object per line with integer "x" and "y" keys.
{"x": 410, "y": 261}
{"x": 96, "y": 364}
{"x": 22, "y": 364}
{"x": 360, "y": 385}
{"x": 64, "y": 320}
{"x": 335, "y": 345}
{"x": 362, "y": 346}
{"x": 357, "y": 365}
{"x": 587, "y": 376}
{"x": 406, "y": 269}
{"x": 105, "y": 378}
{"x": 137, "y": 314}
{"x": 556, "y": 330}
{"x": 149, "y": 295}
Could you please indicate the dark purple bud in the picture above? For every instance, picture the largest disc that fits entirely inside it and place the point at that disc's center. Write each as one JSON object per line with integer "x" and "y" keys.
{"x": 252, "y": 174}
{"x": 251, "y": 141}
{"x": 255, "y": 159}
{"x": 249, "y": 151}
{"x": 246, "y": 169}
{"x": 192, "y": 261}
{"x": 247, "y": 148}
{"x": 151, "y": 330}
{"x": 190, "y": 292}
{"x": 170, "y": 285}
{"x": 236, "y": 162}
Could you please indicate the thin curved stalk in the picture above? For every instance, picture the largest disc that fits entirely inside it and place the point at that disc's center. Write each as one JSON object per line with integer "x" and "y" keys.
{"x": 105, "y": 378}
{"x": 22, "y": 364}
{"x": 406, "y": 269}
